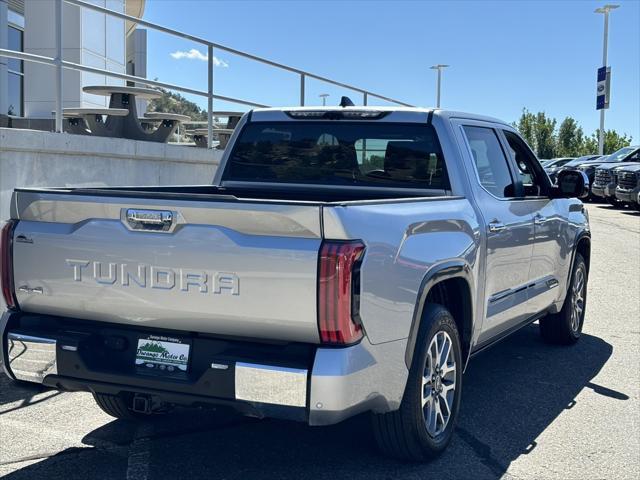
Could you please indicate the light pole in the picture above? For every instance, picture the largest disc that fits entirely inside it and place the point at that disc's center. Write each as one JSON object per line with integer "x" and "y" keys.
{"x": 324, "y": 96}
{"x": 604, "y": 10}
{"x": 438, "y": 67}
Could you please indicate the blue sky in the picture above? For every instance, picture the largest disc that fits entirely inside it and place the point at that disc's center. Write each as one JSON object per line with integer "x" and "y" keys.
{"x": 504, "y": 55}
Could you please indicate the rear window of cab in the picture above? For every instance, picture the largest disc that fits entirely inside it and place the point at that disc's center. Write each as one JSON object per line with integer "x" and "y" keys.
{"x": 371, "y": 154}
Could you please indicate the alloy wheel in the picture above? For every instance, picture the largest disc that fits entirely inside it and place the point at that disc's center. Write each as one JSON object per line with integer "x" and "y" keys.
{"x": 577, "y": 299}
{"x": 438, "y": 383}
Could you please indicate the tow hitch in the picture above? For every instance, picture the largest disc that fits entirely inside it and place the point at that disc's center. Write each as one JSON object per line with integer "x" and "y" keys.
{"x": 142, "y": 404}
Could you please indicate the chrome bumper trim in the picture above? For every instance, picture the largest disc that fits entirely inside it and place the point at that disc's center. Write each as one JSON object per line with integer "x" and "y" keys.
{"x": 31, "y": 358}
{"x": 271, "y": 384}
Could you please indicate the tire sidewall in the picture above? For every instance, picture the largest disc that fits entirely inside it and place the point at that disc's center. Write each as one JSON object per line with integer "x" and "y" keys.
{"x": 579, "y": 263}
{"x": 436, "y": 319}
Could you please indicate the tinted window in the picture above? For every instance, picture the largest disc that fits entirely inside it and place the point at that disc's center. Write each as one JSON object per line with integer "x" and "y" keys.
{"x": 339, "y": 153}
{"x": 15, "y": 75}
{"x": 635, "y": 157}
{"x": 15, "y": 94}
{"x": 490, "y": 161}
{"x": 15, "y": 43}
{"x": 619, "y": 155}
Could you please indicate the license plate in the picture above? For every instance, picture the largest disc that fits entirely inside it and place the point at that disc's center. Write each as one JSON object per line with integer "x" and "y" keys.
{"x": 162, "y": 354}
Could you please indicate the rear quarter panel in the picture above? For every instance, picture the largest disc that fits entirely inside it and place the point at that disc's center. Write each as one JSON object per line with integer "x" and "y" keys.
{"x": 404, "y": 241}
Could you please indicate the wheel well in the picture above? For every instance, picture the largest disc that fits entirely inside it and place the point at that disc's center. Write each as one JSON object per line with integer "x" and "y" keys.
{"x": 584, "y": 249}
{"x": 455, "y": 295}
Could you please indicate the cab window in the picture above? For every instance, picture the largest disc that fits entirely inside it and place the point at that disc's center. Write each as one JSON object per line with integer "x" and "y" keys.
{"x": 490, "y": 161}
{"x": 531, "y": 174}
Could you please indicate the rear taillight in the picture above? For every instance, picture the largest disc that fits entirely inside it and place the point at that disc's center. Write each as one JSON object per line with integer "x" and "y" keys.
{"x": 338, "y": 292}
{"x": 6, "y": 264}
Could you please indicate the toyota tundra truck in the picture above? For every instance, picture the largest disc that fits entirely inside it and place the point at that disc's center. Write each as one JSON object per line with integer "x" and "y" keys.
{"x": 343, "y": 260}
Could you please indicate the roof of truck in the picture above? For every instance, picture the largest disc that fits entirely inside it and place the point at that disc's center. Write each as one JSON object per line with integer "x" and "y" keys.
{"x": 447, "y": 114}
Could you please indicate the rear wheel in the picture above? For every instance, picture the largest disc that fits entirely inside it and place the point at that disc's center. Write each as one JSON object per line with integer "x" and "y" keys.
{"x": 423, "y": 426}
{"x": 565, "y": 327}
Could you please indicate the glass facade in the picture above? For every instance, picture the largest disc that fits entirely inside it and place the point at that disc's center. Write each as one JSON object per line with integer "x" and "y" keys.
{"x": 15, "y": 80}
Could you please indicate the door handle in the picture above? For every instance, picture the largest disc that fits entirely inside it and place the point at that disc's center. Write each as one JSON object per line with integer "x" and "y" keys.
{"x": 496, "y": 226}
{"x": 539, "y": 219}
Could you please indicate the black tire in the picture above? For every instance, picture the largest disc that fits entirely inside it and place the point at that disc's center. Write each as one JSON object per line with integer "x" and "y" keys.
{"x": 118, "y": 406}
{"x": 403, "y": 433}
{"x": 558, "y": 328}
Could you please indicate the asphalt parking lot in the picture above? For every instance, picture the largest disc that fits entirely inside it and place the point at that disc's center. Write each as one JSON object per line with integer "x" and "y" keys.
{"x": 529, "y": 411}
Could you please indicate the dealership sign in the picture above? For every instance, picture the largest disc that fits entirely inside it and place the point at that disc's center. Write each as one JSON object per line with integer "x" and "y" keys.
{"x": 603, "y": 88}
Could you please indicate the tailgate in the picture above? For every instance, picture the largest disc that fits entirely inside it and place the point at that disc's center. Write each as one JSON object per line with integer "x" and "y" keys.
{"x": 222, "y": 267}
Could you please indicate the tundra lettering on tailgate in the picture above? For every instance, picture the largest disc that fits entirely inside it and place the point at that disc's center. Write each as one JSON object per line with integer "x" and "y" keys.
{"x": 163, "y": 278}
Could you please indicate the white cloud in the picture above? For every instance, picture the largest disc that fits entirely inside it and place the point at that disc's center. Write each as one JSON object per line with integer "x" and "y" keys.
{"x": 195, "y": 54}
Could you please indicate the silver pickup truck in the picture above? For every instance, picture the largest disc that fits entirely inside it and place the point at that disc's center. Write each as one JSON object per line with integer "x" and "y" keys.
{"x": 344, "y": 260}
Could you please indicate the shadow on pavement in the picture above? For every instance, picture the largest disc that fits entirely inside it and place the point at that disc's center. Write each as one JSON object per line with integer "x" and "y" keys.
{"x": 512, "y": 393}
{"x": 22, "y": 392}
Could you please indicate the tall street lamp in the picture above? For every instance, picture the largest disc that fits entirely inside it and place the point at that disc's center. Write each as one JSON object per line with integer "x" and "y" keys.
{"x": 604, "y": 81}
{"x": 438, "y": 67}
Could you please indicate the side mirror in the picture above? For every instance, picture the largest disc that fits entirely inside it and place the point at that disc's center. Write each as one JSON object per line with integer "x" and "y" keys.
{"x": 572, "y": 184}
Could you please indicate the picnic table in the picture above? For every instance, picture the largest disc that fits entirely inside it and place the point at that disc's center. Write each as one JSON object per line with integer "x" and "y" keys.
{"x": 129, "y": 125}
{"x": 200, "y": 136}
{"x": 232, "y": 117}
{"x": 89, "y": 121}
{"x": 222, "y": 132}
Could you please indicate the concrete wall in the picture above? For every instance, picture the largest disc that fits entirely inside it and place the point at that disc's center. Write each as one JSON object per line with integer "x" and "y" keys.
{"x": 30, "y": 158}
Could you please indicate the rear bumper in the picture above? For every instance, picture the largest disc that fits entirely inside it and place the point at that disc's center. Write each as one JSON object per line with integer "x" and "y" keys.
{"x": 320, "y": 386}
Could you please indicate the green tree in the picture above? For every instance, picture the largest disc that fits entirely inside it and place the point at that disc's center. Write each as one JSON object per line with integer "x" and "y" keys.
{"x": 171, "y": 102}
{"x": 613, "y": 141}
{"x": 570, "y": 141}
{"x": 590, "y": 145}
{"x": 540, "y": 133}
{"x": 544, "y": 134}
{"x": 526, "y": 126}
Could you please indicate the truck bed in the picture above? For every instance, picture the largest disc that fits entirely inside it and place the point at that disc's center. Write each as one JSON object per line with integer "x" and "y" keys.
{"x": 228, "y": 263}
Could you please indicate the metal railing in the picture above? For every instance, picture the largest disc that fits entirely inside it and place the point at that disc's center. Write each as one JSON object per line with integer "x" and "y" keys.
{"x": 60, "y": 64}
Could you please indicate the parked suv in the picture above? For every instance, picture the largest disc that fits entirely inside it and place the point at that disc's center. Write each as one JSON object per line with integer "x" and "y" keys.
{"x": 606, "y": 180}
{"x": 586, "y": 164}
{"x": 604, "y": 176}
{"x": 553, "y": 166}
{"x": 344, "y": 260}
{"x": 628, "y": 185}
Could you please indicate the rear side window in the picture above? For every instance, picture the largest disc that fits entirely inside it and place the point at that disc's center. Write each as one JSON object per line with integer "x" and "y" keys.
{"x": 339, "y": 153}
{"x": 490, "y": 161}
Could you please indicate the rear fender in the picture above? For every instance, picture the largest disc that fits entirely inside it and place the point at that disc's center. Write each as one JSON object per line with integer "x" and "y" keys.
{"x": 438, "y": 273}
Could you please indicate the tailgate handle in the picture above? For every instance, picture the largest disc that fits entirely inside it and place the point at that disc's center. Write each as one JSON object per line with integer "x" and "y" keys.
{"x": 153, "y": 220}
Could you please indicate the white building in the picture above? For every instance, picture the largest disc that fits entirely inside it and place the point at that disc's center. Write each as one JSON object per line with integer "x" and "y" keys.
{"x": 90, "y": 38}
